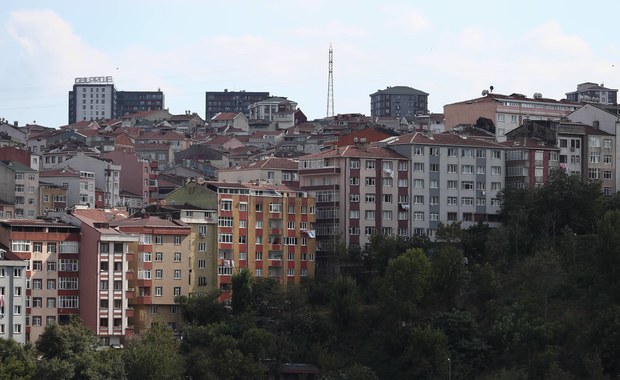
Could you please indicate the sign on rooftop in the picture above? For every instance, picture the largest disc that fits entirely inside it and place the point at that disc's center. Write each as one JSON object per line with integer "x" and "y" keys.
{"x": 93, "y": 80}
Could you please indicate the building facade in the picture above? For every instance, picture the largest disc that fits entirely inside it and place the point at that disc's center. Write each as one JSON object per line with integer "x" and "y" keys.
{"x": 12, "y": 296}
{"x": 359, "y": 191}
{"x": 505, "y": 112}
{"x": 529, "y": 161}
{"x": 265, "y": 228}
{"x": 128, "y": 102}
{"x": 453, "y": 179}
{"x": 589, "y": 92}
{"x": 20, "y": 187}
{"x": 92, "y": 99}
{"x": 51, "y": 251}
{"x": 161, "y": 267}
{"x": 231, "y": 101}
{"x": 398, "y": 101}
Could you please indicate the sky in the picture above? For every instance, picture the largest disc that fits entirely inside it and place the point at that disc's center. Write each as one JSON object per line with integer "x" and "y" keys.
{"x": 450, "y": 49}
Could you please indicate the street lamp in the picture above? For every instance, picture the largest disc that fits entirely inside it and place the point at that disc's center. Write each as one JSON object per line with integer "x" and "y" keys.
{"x": 449, "y": 369}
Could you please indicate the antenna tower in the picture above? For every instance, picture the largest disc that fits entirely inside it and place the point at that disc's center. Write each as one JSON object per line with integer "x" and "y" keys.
{"x": 330, "y": 83}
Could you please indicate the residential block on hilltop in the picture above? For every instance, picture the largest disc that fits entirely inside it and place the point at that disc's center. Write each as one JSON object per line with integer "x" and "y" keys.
{"x": 113, "y": 216}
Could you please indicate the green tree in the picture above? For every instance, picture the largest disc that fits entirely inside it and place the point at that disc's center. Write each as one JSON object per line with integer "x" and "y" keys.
{"x": 449, "y": 274}
{"x": 202, "y": 309}
{"x": 155, "y": 357}
{"x": 544, "y": 272}
{"x": 344, "y": 301}
{"x": 267, "y": 296}
{"x": 71, "y": 352}
{"x": 427, "y": 354}
{"x": 607, "y": 253}
{"x": 242, "y": 291}
{"x": 406, "y": 280}
{"x": 16, "y": 361}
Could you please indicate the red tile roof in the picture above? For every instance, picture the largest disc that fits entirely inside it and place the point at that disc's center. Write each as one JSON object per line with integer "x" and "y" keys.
{"x": 223, "y": 116}
{"x": 356, "y": 151}
{"x": 269, "y": 163}
{"x": 446, "y": 138}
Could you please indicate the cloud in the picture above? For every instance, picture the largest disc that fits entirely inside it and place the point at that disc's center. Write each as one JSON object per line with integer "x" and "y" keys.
{"x": 51, "y": 50}
{"x": 405, "y": 18}
{"x": 333, "y": 29}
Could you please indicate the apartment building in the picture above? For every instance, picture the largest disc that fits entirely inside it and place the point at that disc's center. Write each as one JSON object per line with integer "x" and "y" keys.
{"x": 20, "y": 187}
{"x": 161, "y": 269}
{"x": 454, "y": 178}
{"x": 79, "y": 186}
{"x": 50, "y": 250}
{"x": 506, "y": 112}
{"x": 139, "y": 176}
{"x": 398, "y": 101}
{"x": 107, "y": 175}
{"x": 103, "y": 273}
{"x": 12, "y": 296}
{"x": 265, "y": 228}
{"x": 593, "y": 93}
{"x": 92, "y": 98}
{"x": 360, "y": 191}
{"x": 584, "y": 150}
{"x": 52, "y": 197}
{"x": 528, "y": 162}
{"x": 271, "y": 170}
{"x": 231, "y": 101}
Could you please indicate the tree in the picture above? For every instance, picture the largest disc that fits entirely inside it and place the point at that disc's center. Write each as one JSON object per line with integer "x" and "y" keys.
{"x": 16, "y": 361}
{"x": 202, "y": 309}
{"x": 344, "y": 301}
{"x": 241, "y": 291}
{"x": 267, "y": 296}
{"x": 406, "y": 280}
{"x": 449, "y": 274}
{"x": 607, "y": 253}
{"x": 427, "y": 354}
{"x": 544, "y": 272}
{"x": 155, "y": 357}
{"x": 71, "y": 352}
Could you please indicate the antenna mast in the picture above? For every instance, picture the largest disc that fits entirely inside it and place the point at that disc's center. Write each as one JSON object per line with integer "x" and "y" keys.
{"x": 330, "y": 83}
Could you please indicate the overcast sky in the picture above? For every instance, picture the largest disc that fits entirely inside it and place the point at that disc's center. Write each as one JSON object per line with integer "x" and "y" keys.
{"x": 449, "y": 49}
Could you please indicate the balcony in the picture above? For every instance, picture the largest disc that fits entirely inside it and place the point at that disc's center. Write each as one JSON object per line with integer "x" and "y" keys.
{"x": 130, "y": 293}
{"x": 130, "y": 274}
{"x": 129, "y": 312}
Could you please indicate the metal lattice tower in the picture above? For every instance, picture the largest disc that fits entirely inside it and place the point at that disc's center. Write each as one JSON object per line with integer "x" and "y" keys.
{"x": 330, "y": 83}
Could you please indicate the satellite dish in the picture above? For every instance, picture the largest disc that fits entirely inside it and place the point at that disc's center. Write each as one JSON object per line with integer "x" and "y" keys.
{"x": 491, "y": 88}
{"x": 485, "y": 92}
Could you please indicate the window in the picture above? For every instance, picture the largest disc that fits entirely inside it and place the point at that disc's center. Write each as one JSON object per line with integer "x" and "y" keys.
{"x": 37, "y": 283}
{"x": 177, "y": 239}
{"x": 434, "y": 200}
{"x": 467, "y": 169}
{"x": 496, "y": 170}
{"x": 258, "y": 272}
{"x": 370, "y": 164}
{"x": 51, "y": 284}
{"x": 467, "y": 152}
{"x": 20, "y": 246}
{"x": 403, "y": 166}
{"x": 370, "y": 198}
{"x": 418, "y": 183}
{"x": 481, "y": 202}
{"x": 354, "y": 164}
{"x": 387, "y": 198}
{"x": 480, "y": 170}
{"x": 452, "y": 184}
{"x": 387, "y": 182}
{"x": 37, "y": 247}
{"x": 595, "y": 157}
{"x": 354, "y": 181}
{"x": 226, "y": 205}
{"x": 369, "y": 214}
{"x": 51, "y": 302}
{"x": 452, "y": 168}
{"x": 467, "y": 201}
{"x": 354, "y": 197}
{"x": 418, "y": 151}
{"x": 177, "y": 274}
{"x": 370, "y": 181}
{"x": 176, "y": 291}
{"x": 434, "y": 167}
{"x": 433, "y": 184}
{"x": 275, "y": 207}
{"x": 467, "y": 185}
{"x": 418, "y": 199}
{"x": 418, "y": 167}
{"x": 433, "y": 216}
{"x": 225, "y": 221}
{"x": 159, "y": 257}
{"x": 177, "y": 257}
{"x": 354, "y": 231}
{"x": 159, "y": 291}
{"x": 243, "y": 207}
{"x": 452, "y": 201}
{"x": 403, "y": 182}
{"x": 387, "y": 215}
{"x": 452, "y": 216}
{"x": 37, "y": 302}
{"x": 496, "y": 186}
{"x": 225, "y": 238}
{"x": 37, "y": 265}
{"x": 418, "y": 215}
{"x": 354, "y": 214}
